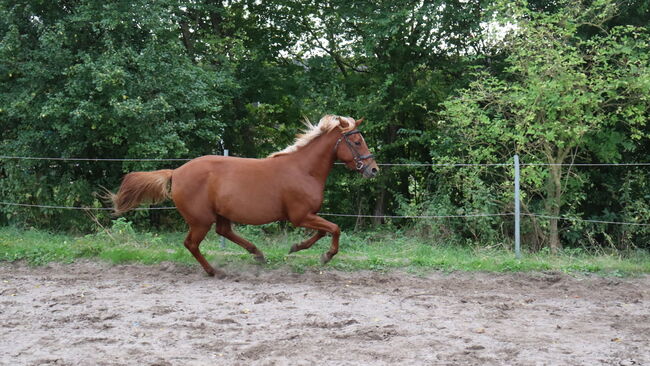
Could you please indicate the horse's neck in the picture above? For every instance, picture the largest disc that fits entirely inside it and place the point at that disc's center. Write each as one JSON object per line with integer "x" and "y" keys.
{"x": 317, "y": 157}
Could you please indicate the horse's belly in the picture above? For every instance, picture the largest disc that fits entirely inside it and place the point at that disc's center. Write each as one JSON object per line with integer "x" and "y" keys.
{"x": 256, "y": 219}
{"x": 249, "y": 206}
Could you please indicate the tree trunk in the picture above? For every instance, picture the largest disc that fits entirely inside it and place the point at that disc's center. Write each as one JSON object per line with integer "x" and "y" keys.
{"x": 359, "y": 222}
{"x": 187, "y": 38}
{"x": 380, "y": 204}
{"x": 379, "y": 208}
{"x": 537, "y": 237}
{"x": 215, "y": 21}
{"x": 553, "y": 203}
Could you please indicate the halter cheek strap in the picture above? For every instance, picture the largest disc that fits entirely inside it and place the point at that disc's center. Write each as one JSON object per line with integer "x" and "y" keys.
{"x": 358, "y": 158}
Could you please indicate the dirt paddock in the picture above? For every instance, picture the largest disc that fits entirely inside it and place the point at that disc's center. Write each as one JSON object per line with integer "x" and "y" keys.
{"x": 97, "y": 314}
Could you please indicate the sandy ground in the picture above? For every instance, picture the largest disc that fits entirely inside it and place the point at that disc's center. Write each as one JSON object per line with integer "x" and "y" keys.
{"x": 98, "y": 314}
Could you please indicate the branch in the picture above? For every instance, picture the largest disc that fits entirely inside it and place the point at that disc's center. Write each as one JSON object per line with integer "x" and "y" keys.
{"x": 187, "y": 41}
{"x": 337, "y": 58}
{"x": 566, "y": 177}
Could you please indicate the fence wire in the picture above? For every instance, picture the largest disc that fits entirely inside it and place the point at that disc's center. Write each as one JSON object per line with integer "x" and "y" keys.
{"x": 7, "y": 157}
{"x": 82, "y": 208}
{"x": 416, "y": 164}
{"x": 320, "y": 213}
{"x": 350, "y": 215}
{"x": 584, "y": 220}
{"x": 585, "y": 164}
{"x": 417, "y": 216}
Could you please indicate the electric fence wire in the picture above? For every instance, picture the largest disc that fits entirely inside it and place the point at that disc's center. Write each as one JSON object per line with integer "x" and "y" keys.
{"x": 350, "y": 215}
{"x": 6, "y": 157}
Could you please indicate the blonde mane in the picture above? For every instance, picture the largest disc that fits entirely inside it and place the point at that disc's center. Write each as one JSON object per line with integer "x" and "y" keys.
{"x": 325, "y": 125}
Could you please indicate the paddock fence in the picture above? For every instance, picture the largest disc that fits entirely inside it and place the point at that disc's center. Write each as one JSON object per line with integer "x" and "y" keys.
{"x": 516, "y": 164}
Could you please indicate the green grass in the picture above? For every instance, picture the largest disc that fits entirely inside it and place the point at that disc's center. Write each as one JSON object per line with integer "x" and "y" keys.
{"x": 359, "y": 251}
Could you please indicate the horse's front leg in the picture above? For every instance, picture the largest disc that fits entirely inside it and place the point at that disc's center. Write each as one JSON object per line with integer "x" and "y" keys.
{"x": 312, "y": 221}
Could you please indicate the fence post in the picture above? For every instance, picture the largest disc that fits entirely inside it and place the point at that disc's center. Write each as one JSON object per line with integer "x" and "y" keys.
{"x": 223, "y": 240}
{"x": 517, "y": 211}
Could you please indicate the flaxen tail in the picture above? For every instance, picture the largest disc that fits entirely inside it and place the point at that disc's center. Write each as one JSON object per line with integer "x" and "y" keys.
{"x": 140, "y": 187}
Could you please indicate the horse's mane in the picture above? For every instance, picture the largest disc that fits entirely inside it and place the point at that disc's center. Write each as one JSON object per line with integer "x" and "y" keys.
{"x": 325, "y": 125}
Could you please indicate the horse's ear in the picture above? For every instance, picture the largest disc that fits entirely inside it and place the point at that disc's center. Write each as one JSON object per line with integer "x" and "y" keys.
{"x": 358, "y": 122}
{"x": 344, "y": 123}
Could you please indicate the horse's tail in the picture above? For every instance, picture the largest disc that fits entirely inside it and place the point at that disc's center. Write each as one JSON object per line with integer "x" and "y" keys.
{"x": 137, "y": 187}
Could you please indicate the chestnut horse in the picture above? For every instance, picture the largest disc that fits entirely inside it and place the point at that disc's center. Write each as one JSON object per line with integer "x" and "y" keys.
{"x": 287, "y": 185}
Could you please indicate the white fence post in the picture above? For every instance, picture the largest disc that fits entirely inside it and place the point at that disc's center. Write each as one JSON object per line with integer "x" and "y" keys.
{"x": 517, "y": 211}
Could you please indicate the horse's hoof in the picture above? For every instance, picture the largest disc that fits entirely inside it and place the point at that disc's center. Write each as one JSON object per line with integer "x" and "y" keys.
{"x": 326, "y": 257}
{"x": 217, "y": 273}
{"x": 260, "y": 259}
{"x": 220, "y": 274}
{"x": 294, "y": 248}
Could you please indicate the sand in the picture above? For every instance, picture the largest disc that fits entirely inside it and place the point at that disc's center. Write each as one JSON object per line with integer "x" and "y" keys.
{"x": 91, "y": 313}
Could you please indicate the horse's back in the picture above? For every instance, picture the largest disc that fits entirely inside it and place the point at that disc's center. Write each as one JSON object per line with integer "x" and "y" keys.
{"x": 240, "y": 171}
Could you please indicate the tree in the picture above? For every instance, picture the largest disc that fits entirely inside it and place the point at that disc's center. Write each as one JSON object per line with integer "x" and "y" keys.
{"x": 95, "y": 80}
{"x": 559, "y": 93}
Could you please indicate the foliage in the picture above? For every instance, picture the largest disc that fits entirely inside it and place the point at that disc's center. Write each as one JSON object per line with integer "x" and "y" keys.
{"x": 99, "y": 81}
{"x": 438, "y": 81}
{"x": 558, "y": 94}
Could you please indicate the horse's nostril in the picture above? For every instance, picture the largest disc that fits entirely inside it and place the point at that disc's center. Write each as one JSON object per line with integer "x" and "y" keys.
{"x": 374, "y": 170}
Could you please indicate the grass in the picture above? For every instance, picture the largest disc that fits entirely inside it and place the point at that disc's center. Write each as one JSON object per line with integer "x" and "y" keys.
{"x": 359, "y": 251}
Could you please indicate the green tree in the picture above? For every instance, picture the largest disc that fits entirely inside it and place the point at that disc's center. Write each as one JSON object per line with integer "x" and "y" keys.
{"x": 97, "y": 80}
{"x": 561, "y": 98}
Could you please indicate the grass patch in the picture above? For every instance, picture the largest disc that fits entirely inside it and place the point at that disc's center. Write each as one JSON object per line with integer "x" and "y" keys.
{"x": 359, "y": 251}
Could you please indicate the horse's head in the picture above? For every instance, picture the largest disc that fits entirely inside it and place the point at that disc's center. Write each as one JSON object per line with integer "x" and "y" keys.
{"x": 352, "y": 150}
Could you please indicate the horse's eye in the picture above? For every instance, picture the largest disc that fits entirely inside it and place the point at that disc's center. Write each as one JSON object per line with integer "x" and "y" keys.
{"x": 358, "y": 143}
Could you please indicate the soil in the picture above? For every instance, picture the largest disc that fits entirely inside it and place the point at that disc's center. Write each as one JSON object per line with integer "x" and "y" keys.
{"x": 97, "y": 314}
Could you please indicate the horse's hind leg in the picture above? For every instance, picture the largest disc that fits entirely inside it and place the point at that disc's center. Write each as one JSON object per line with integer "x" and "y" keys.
{"x": 307, "y": 243}
{"x": 194, "y": 237}
{"x": 224, "y": 228}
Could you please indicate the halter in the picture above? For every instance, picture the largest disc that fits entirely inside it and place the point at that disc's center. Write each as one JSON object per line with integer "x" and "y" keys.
{"x": 358, "y": 158}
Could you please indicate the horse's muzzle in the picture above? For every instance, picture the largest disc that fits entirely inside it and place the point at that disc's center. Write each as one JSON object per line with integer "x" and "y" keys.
{"x": 370, "y": 170}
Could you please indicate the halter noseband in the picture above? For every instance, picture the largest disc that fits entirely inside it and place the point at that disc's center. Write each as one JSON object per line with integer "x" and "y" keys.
{"x": 358, "y": 158}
